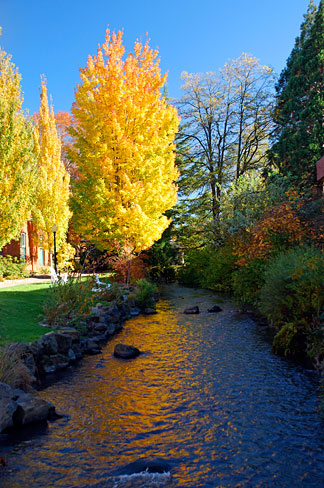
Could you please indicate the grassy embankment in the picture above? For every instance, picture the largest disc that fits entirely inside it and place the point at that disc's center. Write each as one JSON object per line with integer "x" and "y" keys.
{"x": 21, "y": 311}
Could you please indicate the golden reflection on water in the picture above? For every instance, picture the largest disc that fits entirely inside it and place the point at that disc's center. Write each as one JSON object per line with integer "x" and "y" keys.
{"x": 152, "y": 402}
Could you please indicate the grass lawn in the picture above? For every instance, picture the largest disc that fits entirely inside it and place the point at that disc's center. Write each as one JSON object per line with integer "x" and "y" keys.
{"x": 20, "y": 312}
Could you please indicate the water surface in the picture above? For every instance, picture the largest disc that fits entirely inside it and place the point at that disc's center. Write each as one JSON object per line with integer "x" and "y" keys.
{"x": 207, "y": 400}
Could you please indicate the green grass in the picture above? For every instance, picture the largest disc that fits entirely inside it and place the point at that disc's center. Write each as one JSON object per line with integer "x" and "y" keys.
{"x": 20, "y": 312}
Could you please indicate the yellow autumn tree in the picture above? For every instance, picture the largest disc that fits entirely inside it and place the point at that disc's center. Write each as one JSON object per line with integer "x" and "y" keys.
{"x": 123, "y": 134}
{"x": 52, "y": 204}
{"x": 18, "y": 171}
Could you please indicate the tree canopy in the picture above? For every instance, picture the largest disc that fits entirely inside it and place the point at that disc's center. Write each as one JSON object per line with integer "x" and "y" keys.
{"x": 123, "y": 146}
{"x": 299, "y": 115}
{"x": 226, "y": 121}
{"x": 52, "y": 203}
{"x": 18, "y": 171}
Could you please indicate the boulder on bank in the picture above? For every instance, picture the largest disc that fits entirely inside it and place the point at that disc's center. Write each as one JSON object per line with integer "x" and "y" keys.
{"x": 91, "y": 346}
{"x": 7, "y": 406}
{"x": 54, "y": 363}
{"x": 72, "y": 332}
{"x": 149, "y": 311}
{"x": 124, "y": 351}
{"x": 111, "y": 329}
{"x": 215, "y": 309}
{"x": 134, "y": 311}
{"x": 47, "y": 344}
{"x": 19, "y": 408}
{"x": 64, "y": 342}
{"x": 192, "y": 310}
{"x": 31, "y": 409}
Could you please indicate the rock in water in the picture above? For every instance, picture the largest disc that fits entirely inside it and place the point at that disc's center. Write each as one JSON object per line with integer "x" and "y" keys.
{"x": 215, "y": 309}
{"x": 126, "y": 352}
{"x": 144, "y": 465}
{"x": 149, "y": 311}
{"x": 192, "y": 310}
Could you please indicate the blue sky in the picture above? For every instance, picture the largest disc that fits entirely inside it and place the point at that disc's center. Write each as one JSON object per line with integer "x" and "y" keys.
{"x": 55, "y": 37}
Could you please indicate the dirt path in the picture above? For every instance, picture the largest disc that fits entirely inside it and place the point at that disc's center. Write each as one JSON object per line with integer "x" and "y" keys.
{"x": 25, "y": 281}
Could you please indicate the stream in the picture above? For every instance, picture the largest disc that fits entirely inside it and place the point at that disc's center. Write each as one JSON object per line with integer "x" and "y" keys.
{"x": 207, "y": 404}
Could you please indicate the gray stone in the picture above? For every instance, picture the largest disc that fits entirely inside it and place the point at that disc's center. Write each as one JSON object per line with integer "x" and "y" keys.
{"x": 35, "y": 349}
{"x": 48, "y": 344}
{"x": 134, "y": 311}
{"x": 114, "y": 314}
{"x": 126, "y": 352}
{"x": 72, "y": 332}
{"x": 115, "y": 318}
{"x": 31, "y": 409}
{"x": 108, "y": 318}
{"x": 192, "y": 310}
{"x": 149, "y": 311}
{"x": 64, "y": 342}
{"x": 71, "y": 355}
{"x": 51, "y": 364}
{"x": 110, "y": 329}
{"x": 7, "y": 406}
{"x": 215, "y": 309}
{"x": 77, "y": 351}
{"x": 92, "y": 347}
{"x": 101, "y": 327}
{"x": 30, "y": 364}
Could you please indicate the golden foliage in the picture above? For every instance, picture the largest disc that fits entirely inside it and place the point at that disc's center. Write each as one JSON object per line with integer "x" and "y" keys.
{"x": 53, "y": 184}
{"x": 123, "y": 146}
{"x": 18, "y": 171}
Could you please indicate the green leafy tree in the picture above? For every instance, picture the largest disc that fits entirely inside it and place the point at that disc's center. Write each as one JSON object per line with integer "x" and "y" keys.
{"x": 226, "y": 120}
{"x": 18, "y": 172}
{"x": 192, "y": 214}
{"x": 299, "y": 114}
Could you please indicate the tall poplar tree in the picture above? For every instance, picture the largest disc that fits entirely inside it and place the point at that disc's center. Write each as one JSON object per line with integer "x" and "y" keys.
{"x": 299, "y": 115}
{"x": 18, "y": 171}
{"x": 52, "y": 204}
{"x": 123, "y": 147}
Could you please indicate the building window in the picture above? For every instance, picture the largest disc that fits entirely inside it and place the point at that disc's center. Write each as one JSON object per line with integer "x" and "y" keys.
{"x": 23, "y": 246}
{"x": 41, "y": 256}
{"x": 41, "y": 251}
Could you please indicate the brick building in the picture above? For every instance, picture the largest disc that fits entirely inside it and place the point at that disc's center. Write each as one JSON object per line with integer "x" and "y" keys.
{"x": 35, "y": 255}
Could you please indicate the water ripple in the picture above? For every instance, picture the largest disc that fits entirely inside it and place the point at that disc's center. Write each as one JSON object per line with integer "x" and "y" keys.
{"x": 208, "y": 396}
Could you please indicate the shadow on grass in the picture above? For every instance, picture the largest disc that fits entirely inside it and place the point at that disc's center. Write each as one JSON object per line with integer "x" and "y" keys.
{"x": 21, "y": 310}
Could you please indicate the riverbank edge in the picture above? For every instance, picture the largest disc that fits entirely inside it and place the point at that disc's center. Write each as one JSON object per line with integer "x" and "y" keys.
{"x": 300, "y": 357}
{"x": 53, "y": 352}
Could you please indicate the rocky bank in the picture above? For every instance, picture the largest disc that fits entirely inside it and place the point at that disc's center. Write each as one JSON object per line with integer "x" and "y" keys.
{"x": 53, "y": 352}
